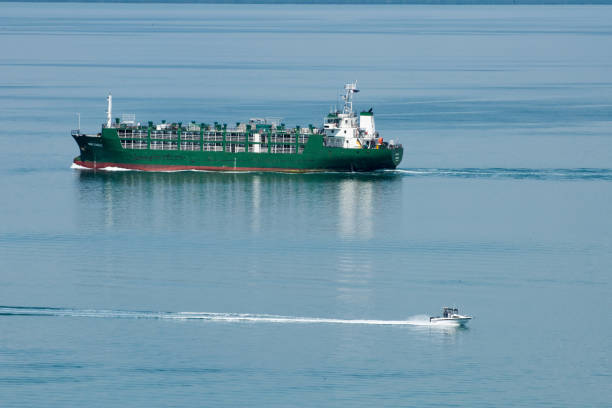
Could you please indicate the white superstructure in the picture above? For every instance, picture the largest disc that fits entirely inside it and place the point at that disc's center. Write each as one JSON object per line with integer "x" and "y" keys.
{"x": 345, "y": 129}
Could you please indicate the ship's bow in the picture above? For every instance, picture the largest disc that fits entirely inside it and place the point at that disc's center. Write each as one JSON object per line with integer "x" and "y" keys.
{"x": 396, "y": 155}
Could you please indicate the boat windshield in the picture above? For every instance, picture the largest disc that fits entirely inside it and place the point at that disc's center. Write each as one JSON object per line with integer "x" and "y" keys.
{"x": 449, "y": 311}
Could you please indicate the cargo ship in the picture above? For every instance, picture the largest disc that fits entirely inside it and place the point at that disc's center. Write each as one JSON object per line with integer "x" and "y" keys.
{"x": 346, "y": 142}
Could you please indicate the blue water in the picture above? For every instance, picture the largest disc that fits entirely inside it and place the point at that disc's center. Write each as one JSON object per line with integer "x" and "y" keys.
{"x": 202, "y": 289}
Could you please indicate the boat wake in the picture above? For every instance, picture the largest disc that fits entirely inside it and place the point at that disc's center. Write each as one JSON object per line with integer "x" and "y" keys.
{"x": 419, "y": 320}
{"x": 109, "y": 168}
{"x": 78, "y": 167}
{"x": 510, "y": 173}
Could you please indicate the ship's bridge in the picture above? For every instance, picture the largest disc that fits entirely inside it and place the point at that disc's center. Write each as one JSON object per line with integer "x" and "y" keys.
{"x": 345, "y": 129}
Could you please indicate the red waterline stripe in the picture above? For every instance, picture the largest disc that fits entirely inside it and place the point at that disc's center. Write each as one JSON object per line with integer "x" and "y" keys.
{"x": 157, "y": 167}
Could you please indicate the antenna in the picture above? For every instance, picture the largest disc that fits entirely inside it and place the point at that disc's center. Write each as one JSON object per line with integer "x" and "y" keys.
{"x": 79, "y": 121}
{"x": 349, "y": 88}
{"x": 109, "y": 110}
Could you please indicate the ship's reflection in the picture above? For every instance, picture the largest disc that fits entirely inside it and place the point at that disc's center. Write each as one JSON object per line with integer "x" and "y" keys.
{"x": 262, "y": 201}
{"x": 354, "y": 276}
{"x": 256, "y": 203}
{"x": 355, "y": 209}
{"x": 109, "y": 218}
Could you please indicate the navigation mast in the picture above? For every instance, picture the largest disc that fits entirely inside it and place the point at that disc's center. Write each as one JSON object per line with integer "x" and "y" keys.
{"x": 349, "y": 90}
{"x": 109, "y": 110}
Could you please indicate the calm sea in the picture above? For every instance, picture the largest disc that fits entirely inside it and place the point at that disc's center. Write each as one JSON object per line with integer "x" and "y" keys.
{"x": 202, "y": 289}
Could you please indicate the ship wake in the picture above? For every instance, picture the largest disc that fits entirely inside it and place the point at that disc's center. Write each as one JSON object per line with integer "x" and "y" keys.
{"x": 510, "y": 173}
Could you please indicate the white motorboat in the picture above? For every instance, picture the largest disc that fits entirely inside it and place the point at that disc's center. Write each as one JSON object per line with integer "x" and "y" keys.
{"x": 450, "y": 316}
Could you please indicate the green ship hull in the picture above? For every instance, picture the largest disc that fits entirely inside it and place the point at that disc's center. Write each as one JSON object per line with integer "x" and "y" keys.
{"x": 108, "y": 149}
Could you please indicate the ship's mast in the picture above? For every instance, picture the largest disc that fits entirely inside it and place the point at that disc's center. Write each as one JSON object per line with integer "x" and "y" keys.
{"x": 109, "y": 110}
{"x": 349, "y": 90}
